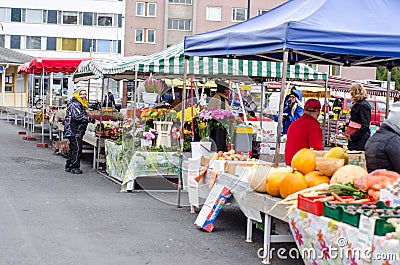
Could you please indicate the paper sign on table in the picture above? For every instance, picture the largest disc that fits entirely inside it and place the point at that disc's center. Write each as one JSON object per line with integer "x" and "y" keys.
{"x": 366, "y": 236}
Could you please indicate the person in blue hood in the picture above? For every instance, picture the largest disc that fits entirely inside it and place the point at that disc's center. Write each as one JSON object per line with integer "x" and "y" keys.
{"x": 292, "y": 110}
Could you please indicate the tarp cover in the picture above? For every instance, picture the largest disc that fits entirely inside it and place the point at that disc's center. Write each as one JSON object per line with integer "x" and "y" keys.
{"x": 170, "y": 62}
{"x": 317, "y": 31}
{"x": 54, "y": 65}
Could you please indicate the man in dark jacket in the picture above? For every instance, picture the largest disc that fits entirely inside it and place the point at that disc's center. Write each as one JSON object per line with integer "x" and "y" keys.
{"x": 382, "y": 149}
{"x": 76, "y": 121}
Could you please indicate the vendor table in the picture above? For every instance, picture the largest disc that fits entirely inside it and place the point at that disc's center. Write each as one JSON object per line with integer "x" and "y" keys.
{"x": 150, "y": 164}
{"x": 117, "y": 159}
{"x": 96, "y": 142}
{"x": 251, "y": 203}
{"x": 331, "y": 242}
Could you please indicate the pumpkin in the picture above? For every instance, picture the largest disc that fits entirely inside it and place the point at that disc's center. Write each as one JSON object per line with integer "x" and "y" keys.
{"x": 338, "y": 152}
{"x": 257, "y": 178}
{"x": 328, "y": 166}
{"x": 274, "y": 179}
{"x": 304, "y": 160}
{"x": 348, "y": 174}
{"x": 314, "y": 178}
{"x": 292, "y": 182}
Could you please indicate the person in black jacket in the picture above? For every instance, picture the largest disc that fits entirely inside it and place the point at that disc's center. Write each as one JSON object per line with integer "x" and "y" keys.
{"x": 382, "y": 150}
{"x": 360, "y": 115}
{"x": 76, "y": 121}
{"x": 109, "y": 101}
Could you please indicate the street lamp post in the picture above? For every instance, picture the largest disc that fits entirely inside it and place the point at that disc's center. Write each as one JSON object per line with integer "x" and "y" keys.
{"x": 248, "y": 9}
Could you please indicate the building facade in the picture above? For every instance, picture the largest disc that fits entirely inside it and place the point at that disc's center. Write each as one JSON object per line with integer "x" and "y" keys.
{"x": 68, "y": 29}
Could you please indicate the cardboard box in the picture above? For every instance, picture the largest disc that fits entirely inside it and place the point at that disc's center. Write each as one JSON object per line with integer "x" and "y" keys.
{"x": 357, "y": 158}
{"x": 210, "y": 210}
{"x": 389, "y": 198}
{"x": 205, "y": 161}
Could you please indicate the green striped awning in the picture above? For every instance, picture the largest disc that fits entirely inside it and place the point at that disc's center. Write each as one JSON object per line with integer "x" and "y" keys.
{"x": 170, "y": 62}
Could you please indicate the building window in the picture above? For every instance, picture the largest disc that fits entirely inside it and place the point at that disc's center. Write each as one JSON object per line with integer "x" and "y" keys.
{"x": 104, "y": 46}
{"x": 188, "y": 2}
{"x": 15, "y": 42}
{"x": 51, "y": 16}
{"x": 239, "y": 14}
{"x": 51, "y": 44}
{"x": 145, "y": 35}
{"x": 16, "y": 15}
{"x": 334, "y": 70}
{"x": 87, "y": 45}
{"x": 4, "y": 14}
{"x": 34, "y": 16}
{"x": 213, "y": 13}
{"x": 105, "y": 20}
{"x": 70, "y": 17}
{"x": 88, "y": 18}
{"x": 145, "y": 9}
{"x": 33, "y": 42}
{"x": 68, "y": 44}
{"x": 179, "y": 24}
{"x": 261, "y": 11}
{"x": 2, "y": 41}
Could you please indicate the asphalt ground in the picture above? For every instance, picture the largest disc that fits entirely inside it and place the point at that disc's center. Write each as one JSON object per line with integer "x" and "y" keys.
{"x": 49, "y": 216}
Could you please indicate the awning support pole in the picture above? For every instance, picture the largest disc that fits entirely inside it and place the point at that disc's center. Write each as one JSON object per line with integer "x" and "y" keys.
{"x": 281, "y": 105}
{"x": 181, "y": 132}
{"x": 389, "y": 78}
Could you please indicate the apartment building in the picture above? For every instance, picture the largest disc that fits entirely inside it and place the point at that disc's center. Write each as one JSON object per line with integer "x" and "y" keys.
{"x": 57, "y": 29}
{"x": 68, "y": 29}
{"x": 154, "y": 25}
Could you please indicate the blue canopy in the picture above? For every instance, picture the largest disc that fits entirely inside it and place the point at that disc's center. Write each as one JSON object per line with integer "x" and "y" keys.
{"x": 342, "y": 32}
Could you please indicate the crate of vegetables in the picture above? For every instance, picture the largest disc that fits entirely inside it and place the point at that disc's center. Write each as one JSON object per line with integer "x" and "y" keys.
{"x": 383, "y": 214}
{"x": 315, "y": 205}
{"x": 334, "y": 208}
{"x": 351, "y": 213}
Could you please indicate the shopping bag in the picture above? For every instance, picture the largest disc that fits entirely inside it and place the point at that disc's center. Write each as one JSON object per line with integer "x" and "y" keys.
{"x": 353, "y": 127}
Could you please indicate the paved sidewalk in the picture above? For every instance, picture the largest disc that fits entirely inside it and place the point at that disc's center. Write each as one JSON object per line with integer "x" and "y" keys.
{"x": 52, "y": 217}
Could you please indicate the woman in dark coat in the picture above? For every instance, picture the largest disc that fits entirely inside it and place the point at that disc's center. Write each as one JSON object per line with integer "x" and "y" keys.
{"x": 358, "y": 130}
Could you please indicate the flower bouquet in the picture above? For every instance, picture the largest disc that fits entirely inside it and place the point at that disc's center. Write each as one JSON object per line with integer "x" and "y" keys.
{"x": 219, "y": 125}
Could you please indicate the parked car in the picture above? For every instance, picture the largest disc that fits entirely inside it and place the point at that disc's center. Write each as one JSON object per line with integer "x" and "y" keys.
{"x": 378, "y": 108}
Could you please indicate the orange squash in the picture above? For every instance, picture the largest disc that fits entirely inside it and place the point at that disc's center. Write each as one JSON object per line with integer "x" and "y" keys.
{"x": 274, "y": 179}
{"x": 314, "y": 178}
{"x": 292, "y": 182}
{"x": 304, "y": 160}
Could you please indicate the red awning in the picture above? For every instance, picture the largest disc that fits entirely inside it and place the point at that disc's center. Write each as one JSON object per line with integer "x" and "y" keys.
{"x": 54, "y": 65}
{"x": 24, "y": 69}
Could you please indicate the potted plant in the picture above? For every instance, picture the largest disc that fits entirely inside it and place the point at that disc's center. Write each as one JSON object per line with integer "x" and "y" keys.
{"x": 153, "y": 89}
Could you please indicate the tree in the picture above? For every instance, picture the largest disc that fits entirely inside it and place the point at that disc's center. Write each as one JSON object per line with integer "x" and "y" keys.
{"x": 381, "y": 74}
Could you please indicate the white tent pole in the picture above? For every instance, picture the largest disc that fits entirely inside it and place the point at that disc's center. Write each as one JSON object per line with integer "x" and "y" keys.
{"x": 182, "y": 129}
{"x": 281, "y": 105}
{"x": 324, "y": 142}
{"x": 173, "y": 89}
{"x": 262, "y": 104}
{"x": 101, "y": 130}
{"x": 43, "y": 105}
{"x": 51, "y": 89}
{"x": 241, "y": 104}
{"x": 135, "y": 102}
{"x": 389, "y": 78}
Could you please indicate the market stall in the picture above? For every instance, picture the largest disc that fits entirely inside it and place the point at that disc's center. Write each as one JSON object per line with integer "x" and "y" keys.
{"x": 168, "y": 63}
